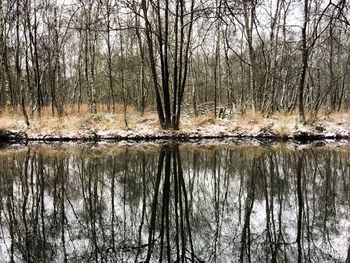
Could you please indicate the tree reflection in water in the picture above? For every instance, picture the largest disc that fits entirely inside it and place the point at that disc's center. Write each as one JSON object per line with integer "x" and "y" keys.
{"x": 174, "y": 203}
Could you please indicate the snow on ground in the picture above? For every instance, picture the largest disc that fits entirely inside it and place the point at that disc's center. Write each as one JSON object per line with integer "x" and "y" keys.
{"x": 101, "y": 127}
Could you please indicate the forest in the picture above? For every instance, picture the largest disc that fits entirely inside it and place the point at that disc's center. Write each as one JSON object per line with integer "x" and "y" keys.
{"x": 62, "y": 57}
{"x": 174, "y": 131}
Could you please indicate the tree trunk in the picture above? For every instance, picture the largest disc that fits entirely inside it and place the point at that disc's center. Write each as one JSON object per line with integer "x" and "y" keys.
{"x": 153, "y": 65}
{"x": 304, "y": 60}
{"x": 217, "y": 68}
{"x": 5, "y": 97}
{"x": 109, "y": 56}
{"x": 20, "y": 86}
{"x": 169, "y": 117}
{"x": 249, "y": 15}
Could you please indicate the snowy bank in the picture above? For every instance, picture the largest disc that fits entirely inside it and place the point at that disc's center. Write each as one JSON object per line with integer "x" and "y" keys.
{"x": 218, "y": 130}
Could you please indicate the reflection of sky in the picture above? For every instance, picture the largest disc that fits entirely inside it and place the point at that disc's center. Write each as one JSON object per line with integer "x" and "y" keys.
{"x": 224, "y": 187}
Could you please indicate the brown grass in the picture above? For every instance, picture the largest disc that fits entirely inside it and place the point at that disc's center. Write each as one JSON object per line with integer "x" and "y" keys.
{"x": 72, "y": 119}
{"x": 202, "y": 120}
{"x": 280, "y": 122}
{"x": 250, "y": 117}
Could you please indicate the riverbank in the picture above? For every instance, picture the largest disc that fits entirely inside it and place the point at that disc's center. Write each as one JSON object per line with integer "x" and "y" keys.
{"x": 97, "y": 127}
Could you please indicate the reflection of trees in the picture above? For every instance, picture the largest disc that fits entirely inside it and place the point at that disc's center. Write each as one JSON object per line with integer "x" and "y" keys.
{"x": 173, "y": 228}
{"x": 300, "y": 205}
{"x": 175, "y": 203}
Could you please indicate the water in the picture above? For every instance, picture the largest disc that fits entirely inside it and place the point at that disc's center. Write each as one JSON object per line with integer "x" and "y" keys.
{"x": 175, "y": 203}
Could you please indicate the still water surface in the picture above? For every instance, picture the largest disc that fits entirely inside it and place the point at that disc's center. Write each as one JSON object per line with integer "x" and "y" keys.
{"x": 175, "y": 203}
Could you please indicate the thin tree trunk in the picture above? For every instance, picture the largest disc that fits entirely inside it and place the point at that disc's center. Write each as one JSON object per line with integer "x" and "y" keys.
{"x": 5, "y": 96}
{"x": 20, "y": 86}
{"x": 109, "y": 56}
{"x": 148, "y": 31}
{"x": 39, "y": 98}
{"x": 217, "y": 68}
{"x": 304, "y": 57}
{"x": 249, "y": 14}
{"x": 124, "y": 93}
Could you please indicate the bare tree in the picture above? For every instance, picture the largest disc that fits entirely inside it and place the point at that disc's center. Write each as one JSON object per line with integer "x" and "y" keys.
{"x": 19, "y": 80}
{"x": 165, "y": 44}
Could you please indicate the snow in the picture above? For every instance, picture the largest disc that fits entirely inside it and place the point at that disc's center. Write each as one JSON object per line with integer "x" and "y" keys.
{"x": 190, "y": 128}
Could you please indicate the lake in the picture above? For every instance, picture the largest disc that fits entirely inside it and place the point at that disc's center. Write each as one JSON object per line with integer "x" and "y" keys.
{"x": 212, "y": 202}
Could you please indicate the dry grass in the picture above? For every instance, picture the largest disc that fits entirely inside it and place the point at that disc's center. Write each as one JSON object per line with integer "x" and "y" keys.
{"x": 74, "y": 120}
{"x": 202, "y": 120}
{"x": 339, "y": 116}
{"x": 279, "y": 123}
{"x": 251, "y": 117}
{"x": 8, "y": 121}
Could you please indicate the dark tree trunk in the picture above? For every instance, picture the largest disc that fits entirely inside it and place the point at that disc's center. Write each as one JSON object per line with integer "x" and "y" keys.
{"x": 169, "y": 110}
{"x": 304, "y": 57}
